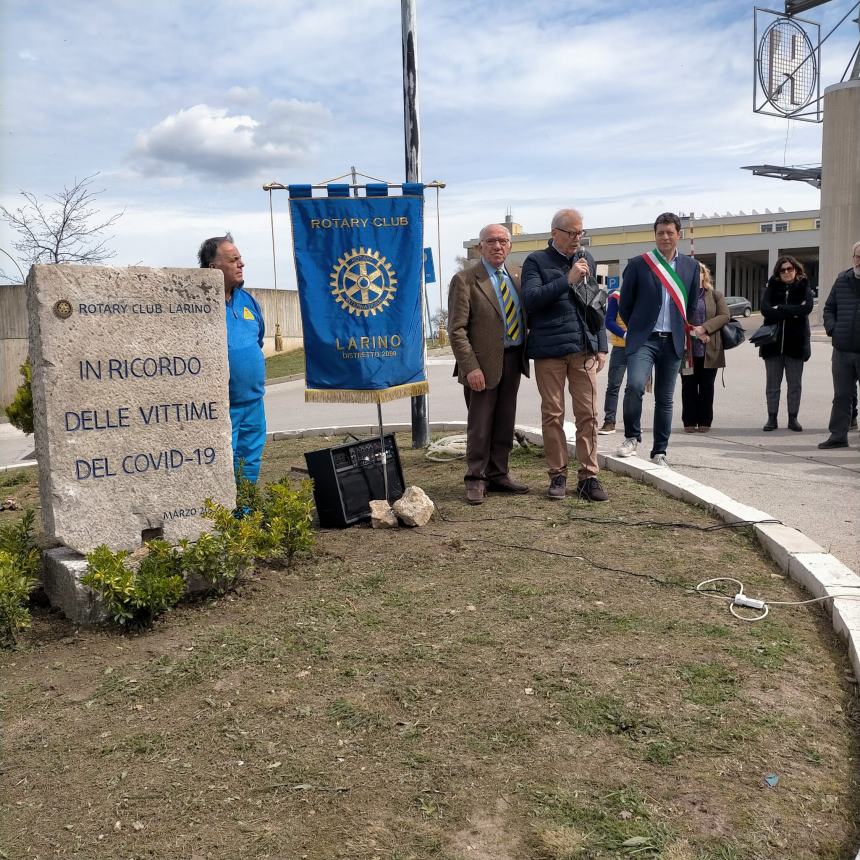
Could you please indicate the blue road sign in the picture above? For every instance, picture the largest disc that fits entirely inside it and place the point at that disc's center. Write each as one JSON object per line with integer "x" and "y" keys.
{"x": 429, "y": 271}
{"x": 612, "y": 282}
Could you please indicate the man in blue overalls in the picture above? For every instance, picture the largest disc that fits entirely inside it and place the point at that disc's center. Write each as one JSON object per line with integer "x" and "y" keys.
{"x": 245, "y": 330}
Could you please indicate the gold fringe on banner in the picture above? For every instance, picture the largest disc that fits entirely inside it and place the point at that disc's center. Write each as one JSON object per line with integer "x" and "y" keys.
{"x": 365, "y": 395}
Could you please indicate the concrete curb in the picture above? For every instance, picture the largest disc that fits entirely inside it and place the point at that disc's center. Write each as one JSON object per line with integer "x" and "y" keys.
{"x": 819, "y": 572}
{"x": 24, "y": 464}
{"x": 276, "y": 380}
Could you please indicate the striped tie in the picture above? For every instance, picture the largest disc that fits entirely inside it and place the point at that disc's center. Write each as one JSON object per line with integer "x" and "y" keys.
{"x": 512, "y": 324}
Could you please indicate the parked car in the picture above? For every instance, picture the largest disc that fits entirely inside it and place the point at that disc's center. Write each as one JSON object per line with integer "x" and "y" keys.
{"x": 739, "y": 306}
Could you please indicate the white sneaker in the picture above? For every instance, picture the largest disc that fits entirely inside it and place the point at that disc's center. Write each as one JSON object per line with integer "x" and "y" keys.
{"x": 660, "y": 460}
{"x": 627, "y": 448}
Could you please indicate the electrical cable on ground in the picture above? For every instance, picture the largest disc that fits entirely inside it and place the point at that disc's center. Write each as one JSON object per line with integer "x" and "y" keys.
{"x": 454, "y": 448}
{"x": 655, "y": 579}
{"x": 740, "y": 599}
{"x": 618, "y": 522}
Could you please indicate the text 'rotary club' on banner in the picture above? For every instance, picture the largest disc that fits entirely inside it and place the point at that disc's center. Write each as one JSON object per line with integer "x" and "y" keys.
{"x": 358, "y": 265}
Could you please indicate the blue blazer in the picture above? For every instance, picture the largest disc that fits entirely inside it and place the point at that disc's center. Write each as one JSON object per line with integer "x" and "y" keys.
{"x": 642, "y": 297}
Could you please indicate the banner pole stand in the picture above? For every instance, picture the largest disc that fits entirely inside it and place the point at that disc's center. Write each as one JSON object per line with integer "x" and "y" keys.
{"x": 383, "y": 457}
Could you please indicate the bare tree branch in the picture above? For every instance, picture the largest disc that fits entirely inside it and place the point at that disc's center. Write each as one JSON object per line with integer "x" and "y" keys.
{"x": 4, "y": 276}
{"x": 69, "y": 231}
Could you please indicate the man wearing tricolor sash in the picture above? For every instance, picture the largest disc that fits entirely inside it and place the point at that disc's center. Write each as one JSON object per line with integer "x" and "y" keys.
{"x": 659, "y": 290}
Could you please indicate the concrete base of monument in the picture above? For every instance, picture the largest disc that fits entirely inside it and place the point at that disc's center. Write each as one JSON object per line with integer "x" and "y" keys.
{"x": 62, "y": 569}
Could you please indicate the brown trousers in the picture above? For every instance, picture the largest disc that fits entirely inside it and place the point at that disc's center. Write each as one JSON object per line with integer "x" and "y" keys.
{"x": 490, "y": 424}
{"x": 579, "y": 370}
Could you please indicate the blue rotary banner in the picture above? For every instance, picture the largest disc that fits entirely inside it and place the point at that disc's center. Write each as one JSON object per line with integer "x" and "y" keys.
{"x": 358, "y": 265}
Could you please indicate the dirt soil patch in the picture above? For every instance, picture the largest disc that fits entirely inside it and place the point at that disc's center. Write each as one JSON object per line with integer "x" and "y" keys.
{"x": 524, "y": 679}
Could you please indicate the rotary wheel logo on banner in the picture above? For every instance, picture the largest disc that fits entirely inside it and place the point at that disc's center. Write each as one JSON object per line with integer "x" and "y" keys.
{"x": 363, "y": 282}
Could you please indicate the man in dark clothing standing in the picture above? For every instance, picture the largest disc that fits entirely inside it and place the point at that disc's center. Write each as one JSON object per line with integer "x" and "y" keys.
{"x": 842, "y": 324}
{"x": 565, "y": 349}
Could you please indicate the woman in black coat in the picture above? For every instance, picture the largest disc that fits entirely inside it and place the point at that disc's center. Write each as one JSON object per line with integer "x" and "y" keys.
{"x": 787, "y": 301}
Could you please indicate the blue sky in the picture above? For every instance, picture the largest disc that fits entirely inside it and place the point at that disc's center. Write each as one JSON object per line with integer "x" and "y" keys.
{"x": 622, "y": 109}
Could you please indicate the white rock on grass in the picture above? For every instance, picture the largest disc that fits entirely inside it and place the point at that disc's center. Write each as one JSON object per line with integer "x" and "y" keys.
{"x": 381, "y": 515}
{"x": 414, "y": 507}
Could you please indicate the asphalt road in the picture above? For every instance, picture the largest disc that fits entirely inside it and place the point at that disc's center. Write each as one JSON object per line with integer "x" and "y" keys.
{"x": 782, "y": 473}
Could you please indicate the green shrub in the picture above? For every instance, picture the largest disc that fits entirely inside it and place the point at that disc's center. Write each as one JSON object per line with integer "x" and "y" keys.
{"x": 288, "y": 520}
{"x": 20, "y": 410}
{"x": 221, "y": 557}
{"x": 273, "y": 525}
{"x": 15, "y": 588}
{"x": 135, "y": 597}
{"x": 19, "y": 564}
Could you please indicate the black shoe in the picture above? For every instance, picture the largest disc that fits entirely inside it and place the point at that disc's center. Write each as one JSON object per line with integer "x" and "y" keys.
{"x": 506, "y": 484}
{"x": 771, "y": 422}
{"x": 793, "y": 424}
{"x": 833, "y": 442}
{"x": 475, "y": 494}
{"x": 557, "y": 487}
{"x": 591, "y": 489}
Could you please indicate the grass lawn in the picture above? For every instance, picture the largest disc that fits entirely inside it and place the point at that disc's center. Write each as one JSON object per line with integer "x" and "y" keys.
{"x": 285, "y": 364}
{"x": 525, "y": 680}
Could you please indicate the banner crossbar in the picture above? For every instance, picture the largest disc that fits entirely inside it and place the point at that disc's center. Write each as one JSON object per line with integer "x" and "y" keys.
{"x": 277, "y": 186}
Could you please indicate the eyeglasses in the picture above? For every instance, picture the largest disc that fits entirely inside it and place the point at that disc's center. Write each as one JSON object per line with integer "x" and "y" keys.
{"x": 786, "y": 269}
{"x": 495, "y": 241}
{"x": 574, "y": 234}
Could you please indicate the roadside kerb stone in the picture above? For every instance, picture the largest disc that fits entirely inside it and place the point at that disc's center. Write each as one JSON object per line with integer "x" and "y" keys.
{"x": 24, "y": 464}
{"x": 784, "y": 542}
{"x": 821, "y": 573}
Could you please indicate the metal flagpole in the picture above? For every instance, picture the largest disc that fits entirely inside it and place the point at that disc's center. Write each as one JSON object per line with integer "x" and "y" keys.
{"x": 420, "y": 424}
{"x": 272, "y": 223}
{"x": 383, "y": 456}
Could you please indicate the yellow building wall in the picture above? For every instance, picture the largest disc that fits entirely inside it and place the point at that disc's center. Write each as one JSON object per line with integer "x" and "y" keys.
{"x": 715, "y": 231}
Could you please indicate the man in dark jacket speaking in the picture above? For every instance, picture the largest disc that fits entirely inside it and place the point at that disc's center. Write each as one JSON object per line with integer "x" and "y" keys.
{"x": 842, "y": 324}
{"x": 565, "y": 349}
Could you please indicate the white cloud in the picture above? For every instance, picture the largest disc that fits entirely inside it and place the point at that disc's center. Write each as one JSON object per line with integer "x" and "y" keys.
{"x": 242, "y": 96}
{"x": 212, "y": 142}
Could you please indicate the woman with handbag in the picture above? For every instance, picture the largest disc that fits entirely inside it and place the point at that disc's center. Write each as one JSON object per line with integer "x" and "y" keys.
{"x": 786, "y": 301}
{"x": 697, "y": 385}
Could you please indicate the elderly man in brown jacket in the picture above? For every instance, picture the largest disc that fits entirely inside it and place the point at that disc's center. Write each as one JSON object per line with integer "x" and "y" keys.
{"x": 487, "y": 329}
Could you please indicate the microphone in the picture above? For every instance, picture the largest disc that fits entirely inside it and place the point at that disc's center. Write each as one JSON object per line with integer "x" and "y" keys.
{"x": 580, "y": 255}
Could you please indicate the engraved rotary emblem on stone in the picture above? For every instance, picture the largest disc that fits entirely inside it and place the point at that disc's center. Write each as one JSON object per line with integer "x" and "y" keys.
{"x": 63, "y": 309}
{"x": 363, "y": 282}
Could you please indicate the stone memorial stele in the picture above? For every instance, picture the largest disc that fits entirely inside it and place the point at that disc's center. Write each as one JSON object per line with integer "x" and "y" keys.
{"x": 130, "y": 402}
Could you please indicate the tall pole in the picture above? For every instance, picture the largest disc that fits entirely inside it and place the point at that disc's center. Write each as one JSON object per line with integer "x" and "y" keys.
{"x": 420, "y": 425}
{"x": 272, "y": 223}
